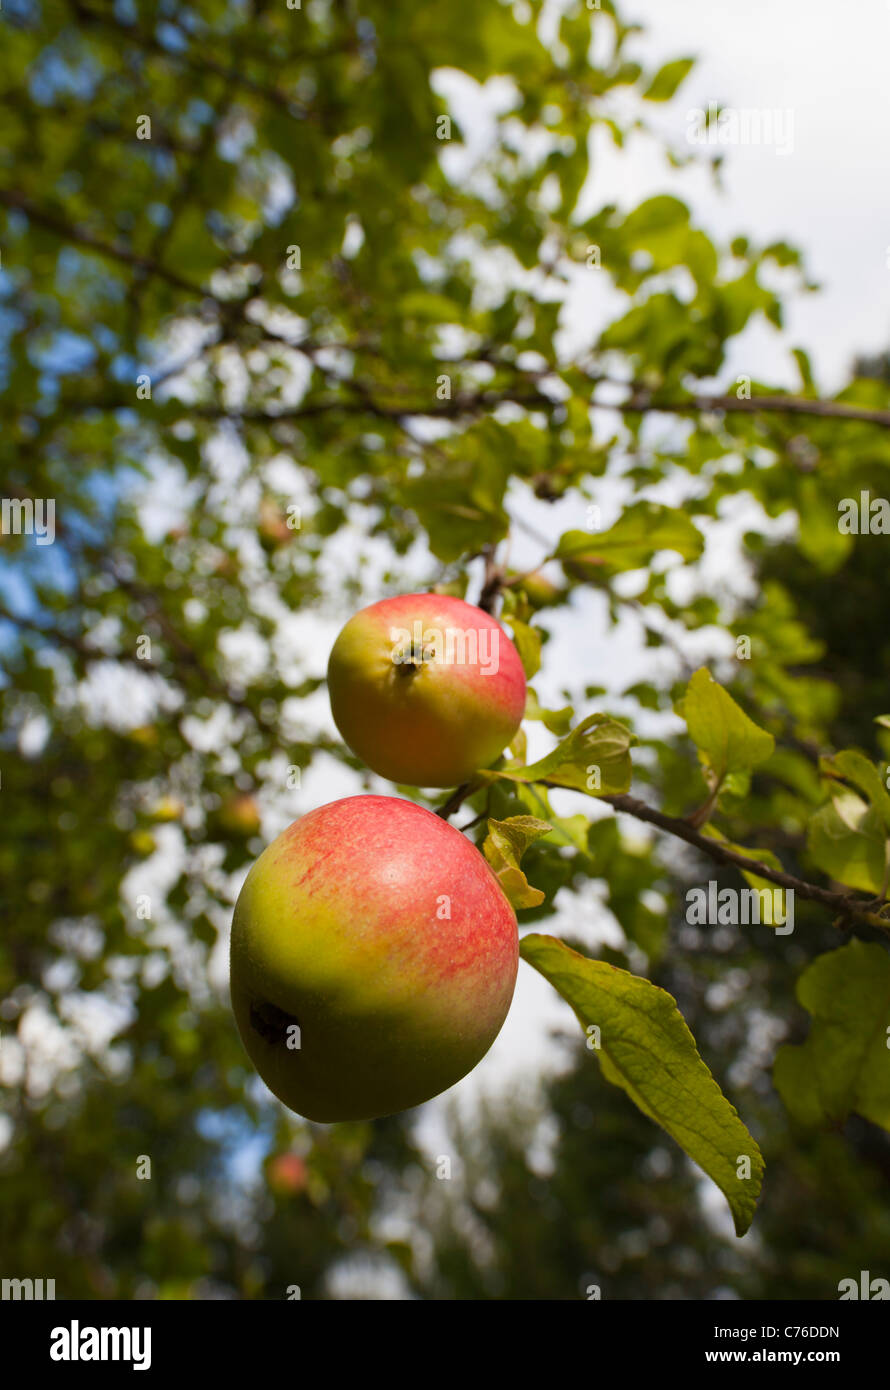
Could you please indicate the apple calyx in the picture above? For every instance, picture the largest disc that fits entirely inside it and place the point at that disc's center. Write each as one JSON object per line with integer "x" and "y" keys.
{"x": 411, "y": 659}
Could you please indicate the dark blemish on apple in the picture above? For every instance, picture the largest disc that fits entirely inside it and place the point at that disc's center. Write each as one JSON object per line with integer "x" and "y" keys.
{"x": 271, "y": 1022}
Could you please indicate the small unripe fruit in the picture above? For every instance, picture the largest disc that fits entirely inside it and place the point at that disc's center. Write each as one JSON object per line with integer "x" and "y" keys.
{"x": 273, "y": 528}
{"x": 373, "y": 959}
{"x": 240, "y": 815}
{"x": 540, "y": 591}
{"x": 143, "y": 842}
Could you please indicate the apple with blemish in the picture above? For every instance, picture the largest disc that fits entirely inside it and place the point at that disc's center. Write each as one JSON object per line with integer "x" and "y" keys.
{"x": 373, "y": 959}
{"x": 426, "y": 688}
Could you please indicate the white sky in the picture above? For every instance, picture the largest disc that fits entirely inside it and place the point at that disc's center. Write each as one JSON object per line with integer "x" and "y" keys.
{"x": 826, "y": 63}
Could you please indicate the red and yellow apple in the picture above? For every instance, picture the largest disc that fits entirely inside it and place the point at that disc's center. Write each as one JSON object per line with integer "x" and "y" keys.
{"x": 373, "y": 959}
{"x": 425, "y": 688}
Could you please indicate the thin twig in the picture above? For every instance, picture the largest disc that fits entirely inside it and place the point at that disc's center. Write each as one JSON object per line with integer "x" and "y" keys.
{"x": 455, "y": 801}
{"x": 493, "y": 581}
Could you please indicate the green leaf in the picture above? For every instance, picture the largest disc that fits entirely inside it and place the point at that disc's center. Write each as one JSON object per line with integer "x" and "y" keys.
{"x": 666, "y": 81}
{"x": 652, "y": 217}
{"x": 726, "y": 739}
{"x": 646, "y": 693}
{"x": 422, "y": 304}
{"x": 594, "y": 758}
{"x": 645, "y": 1046}
{"x": 459, "y": 501}
{"x": 504, "y": 846}
{"x": 528, "y": 645}
{"x": 518, "y": 746}
{"x": 773, "y": 908}
{"x": 558, "y": 721}
{"x": 805, "y": 367}
{"x": 844, "y": 1065}
{"x": 571, "y": 831}
{"x": 638, "y": 534}
{"x": 819, "y": 537}
{"x": 847, "y": 840}
{"x": 855, "y": 767}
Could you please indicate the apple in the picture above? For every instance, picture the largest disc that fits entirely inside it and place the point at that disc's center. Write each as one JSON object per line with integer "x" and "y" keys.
{"x": 425, "y": 688}
{"x": 373, "y": 959}
{"x": 286, "y": 1173}
{"x": 240, "y": 815}
{"x": 143, "y": 842}
{"x": 540, "y": 591}
{"x": 273, "y": 528}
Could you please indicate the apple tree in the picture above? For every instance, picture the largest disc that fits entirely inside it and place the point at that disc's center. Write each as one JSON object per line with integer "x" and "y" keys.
{"x": 304, "y": 306}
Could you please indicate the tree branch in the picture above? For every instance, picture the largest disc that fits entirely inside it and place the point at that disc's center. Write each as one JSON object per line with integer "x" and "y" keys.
{"x": 493, "y": 581}
{"x": 470, "y": 404}
{"x": 455, "y": 801}
{"x": 205, "y": 65}
{"x": 642, "y": 401}
{"x": 847, "y": 909}
{"x": 11, "y": 198}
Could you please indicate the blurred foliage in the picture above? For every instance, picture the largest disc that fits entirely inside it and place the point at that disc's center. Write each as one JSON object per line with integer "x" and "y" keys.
{"x": 274, "y": 337}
